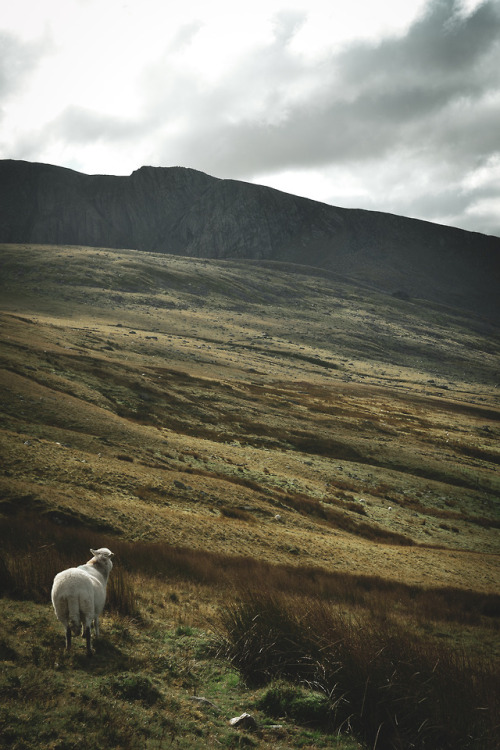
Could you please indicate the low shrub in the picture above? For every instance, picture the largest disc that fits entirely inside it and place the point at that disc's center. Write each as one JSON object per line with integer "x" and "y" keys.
{"x": 121, "y": 594}
{"x": 30, "y": 573}
{"x": 267, "y": 640}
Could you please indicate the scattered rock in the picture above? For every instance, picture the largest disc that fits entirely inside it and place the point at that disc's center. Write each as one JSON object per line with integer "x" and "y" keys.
{"x": 181, "y": 485}
{"x": 245, "y": 721}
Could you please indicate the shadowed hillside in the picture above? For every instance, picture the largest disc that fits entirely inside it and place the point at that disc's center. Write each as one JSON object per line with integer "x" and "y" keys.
{"x": 185, "y": 212}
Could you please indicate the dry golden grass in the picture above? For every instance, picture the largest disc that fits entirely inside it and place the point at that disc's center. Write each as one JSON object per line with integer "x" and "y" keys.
{"x": 190, "y": 402}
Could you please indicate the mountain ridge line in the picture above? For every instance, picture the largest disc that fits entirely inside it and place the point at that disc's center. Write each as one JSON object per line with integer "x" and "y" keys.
{"x": 181, "y": 211}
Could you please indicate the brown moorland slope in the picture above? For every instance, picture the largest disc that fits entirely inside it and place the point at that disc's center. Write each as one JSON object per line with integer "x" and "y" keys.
{"x": 258, "y": 409}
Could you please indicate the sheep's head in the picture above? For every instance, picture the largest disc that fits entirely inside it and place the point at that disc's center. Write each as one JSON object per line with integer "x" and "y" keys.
{"x": 102, "y": 560}
{"x": 104, "y": 551}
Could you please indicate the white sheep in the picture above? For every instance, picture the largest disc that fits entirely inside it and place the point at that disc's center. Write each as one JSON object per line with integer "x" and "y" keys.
{"x": 79, "y": 594}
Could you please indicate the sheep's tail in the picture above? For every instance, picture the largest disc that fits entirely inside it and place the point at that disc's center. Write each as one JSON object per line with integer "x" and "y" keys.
{"x": 74, "y": 619}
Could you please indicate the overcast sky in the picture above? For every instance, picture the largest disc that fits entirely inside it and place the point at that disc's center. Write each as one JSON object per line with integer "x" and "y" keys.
{"x": 391, "y": 105}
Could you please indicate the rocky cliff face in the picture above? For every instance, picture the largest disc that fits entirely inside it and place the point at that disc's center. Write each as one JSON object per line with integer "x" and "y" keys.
{"x": 185, "y": 212}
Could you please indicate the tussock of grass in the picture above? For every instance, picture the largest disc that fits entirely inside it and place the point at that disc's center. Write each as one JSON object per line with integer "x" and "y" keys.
{"x": 122, "y": 594}
{"x": 391, "y": 688}
{"x": 237, "y": 513}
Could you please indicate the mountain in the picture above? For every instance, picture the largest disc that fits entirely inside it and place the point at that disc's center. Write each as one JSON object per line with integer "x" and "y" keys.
{"x": 184, "y": 212}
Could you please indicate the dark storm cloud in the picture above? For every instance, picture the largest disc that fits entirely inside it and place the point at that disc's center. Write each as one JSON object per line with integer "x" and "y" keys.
{"x": 441, "y": 44}
{"x": 426, "y": 90}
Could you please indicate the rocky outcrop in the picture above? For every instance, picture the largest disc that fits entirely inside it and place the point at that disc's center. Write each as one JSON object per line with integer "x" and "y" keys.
{"x": 185, "y": 212}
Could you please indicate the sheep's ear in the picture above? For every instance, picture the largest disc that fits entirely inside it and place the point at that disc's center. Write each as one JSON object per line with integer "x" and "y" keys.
{"x": 94, "y": 551}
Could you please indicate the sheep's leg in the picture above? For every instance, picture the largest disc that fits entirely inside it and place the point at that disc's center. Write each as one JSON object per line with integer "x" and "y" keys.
{"x": 68, "y": 638}
{"x": 96, "y": 626}
{"x": 87, "y": 638}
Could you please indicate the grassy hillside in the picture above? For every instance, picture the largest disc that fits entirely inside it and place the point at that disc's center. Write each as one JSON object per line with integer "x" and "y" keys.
{"x": 218, "y": 416}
